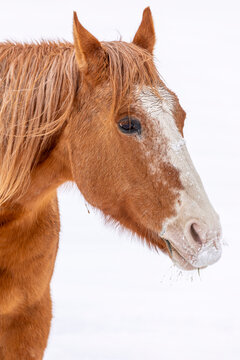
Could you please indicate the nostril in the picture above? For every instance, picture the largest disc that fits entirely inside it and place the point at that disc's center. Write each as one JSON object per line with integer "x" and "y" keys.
{"x": 194, "y": 231}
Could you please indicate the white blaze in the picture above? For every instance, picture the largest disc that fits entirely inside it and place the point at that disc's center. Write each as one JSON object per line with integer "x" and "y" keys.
{"x": 194, "y": 201}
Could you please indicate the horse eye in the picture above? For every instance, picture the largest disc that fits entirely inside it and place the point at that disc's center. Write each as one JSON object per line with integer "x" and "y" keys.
{"x": 128, "y": 125}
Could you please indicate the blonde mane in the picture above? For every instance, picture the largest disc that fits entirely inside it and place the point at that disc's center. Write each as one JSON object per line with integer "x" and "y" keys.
{"x": 38, "y": 84}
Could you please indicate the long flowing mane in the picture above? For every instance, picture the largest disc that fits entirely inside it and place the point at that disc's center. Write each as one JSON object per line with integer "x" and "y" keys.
{"x": 38, "y": 84}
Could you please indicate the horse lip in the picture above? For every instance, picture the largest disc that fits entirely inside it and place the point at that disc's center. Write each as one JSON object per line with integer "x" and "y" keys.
{"x": 185, "y": 265}
{"x": 169, "y": 246}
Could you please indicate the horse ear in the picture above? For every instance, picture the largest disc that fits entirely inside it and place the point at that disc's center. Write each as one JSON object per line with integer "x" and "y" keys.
{"x": 145, "y": 35}
{"x": 87, "y": 47}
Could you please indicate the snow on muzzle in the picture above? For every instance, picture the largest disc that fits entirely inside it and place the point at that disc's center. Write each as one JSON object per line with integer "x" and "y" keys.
{"x": 195, "y": 246}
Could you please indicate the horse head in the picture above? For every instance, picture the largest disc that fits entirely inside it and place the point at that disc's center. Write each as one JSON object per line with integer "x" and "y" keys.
{"x": 127, "y": 150}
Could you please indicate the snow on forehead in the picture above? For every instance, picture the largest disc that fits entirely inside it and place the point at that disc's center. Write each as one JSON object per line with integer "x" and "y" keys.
{"x": 157, "y": 99}
{"x": 159, "y": 105}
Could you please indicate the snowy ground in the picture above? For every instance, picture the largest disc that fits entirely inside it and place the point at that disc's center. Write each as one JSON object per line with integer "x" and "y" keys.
{"x": 113, "y": 298}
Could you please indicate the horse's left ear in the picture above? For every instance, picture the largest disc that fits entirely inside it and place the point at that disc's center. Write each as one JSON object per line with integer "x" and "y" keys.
{"x": 87, "y": 48}
{"x": 145, "y": 36}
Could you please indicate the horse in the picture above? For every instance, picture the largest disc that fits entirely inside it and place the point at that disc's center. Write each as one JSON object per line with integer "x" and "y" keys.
{"x": 97, "y": 114}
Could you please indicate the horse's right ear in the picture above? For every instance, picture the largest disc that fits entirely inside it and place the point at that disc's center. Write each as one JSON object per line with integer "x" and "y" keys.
{"x": 87, "y": 47}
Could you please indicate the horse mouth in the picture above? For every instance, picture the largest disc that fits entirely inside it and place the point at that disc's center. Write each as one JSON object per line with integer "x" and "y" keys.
{"x": 177, "y": 258}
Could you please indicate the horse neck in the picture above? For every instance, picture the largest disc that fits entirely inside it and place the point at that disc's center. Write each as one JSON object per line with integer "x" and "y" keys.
{"x": 45, "y": 179}
{"x": 47, "y": 104}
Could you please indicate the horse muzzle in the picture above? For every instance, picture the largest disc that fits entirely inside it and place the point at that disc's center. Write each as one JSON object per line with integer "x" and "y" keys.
{"x": 198, "y": 245}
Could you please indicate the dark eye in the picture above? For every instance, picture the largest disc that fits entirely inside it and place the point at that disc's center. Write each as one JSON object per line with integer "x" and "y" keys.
{"x": 129, "y": 125}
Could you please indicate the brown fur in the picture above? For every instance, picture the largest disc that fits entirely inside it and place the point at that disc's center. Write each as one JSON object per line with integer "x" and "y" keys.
{"x": 59, "y": 108}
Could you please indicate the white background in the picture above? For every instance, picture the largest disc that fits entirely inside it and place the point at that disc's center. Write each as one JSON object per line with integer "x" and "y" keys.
{"x": 114, "y": 299}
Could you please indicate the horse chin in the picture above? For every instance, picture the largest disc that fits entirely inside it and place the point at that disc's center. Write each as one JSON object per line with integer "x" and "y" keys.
{"x": 178, "y": 259}
{"x": 180, "y": 262}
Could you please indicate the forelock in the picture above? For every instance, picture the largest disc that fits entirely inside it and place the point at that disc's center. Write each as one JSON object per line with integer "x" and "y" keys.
{"x": 129, "y": 66}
